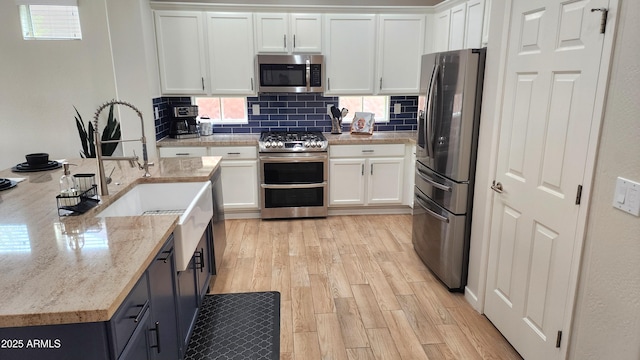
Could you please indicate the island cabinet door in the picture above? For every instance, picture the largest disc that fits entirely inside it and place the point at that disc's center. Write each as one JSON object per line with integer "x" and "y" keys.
{"x": 187, "y": 303}
{"x": 55, "y": 342}
{"x": 139, "y": 346}
{"x": 164, "y": 334}
{"x": 204, "y": 262}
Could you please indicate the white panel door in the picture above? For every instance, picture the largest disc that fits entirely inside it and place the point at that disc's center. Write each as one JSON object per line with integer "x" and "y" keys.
{"x": 554, "y": 52}
{"x": 346, "y": 181}
{"x": 473, "y": 30}
{"x": 181, "y": 51}
{"x": 231, "y": 53}
{"x": 457, "y": 26}
{"x": 441, "y": 31}
{"x": 306, "y": 33}
{"x": 350, "y": 54}
{"x": 271, "y": 32}
{"x": 240, "y": 184}
{"x": 401, "y": 40}
{"x": 386, "y": 176}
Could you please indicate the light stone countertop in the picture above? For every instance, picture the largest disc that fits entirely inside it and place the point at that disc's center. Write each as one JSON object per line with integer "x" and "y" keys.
{"x": 379, "y": 137}
{"x": 79, "y": 268}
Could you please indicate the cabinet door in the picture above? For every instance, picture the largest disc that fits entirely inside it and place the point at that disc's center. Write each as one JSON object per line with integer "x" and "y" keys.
{"x": 181, "y": 51}
{"x": 347, "y": 181}
{"x": 385, "y": 180}
{"x": 138, "y": 346}
{"x": 271, "y": 33}
{"x": 400, "y": 46}
{"x": 231, "y": 54}
{"x": 441, "y": 31}
{"x": 163, "y": 292}
{"x": 457, "y": 27}
{"x": 187, "y": 303}
{"x": 350, "y": 54}
{"x": 306, "y": 33}
{"x": 473, "y": 31}
{"x": 240, "y": 184}
{"x": 203, "y": 263}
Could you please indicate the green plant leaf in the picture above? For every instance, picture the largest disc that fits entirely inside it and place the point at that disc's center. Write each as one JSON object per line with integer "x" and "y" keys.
{"x": 83, "y": 135}
{"x": 111, "y": 132}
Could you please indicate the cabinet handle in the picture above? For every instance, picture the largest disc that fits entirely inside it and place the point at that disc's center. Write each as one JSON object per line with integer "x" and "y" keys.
{"x": 182, "y": 154}
{"x": 294, "y": 41}
{"x": 202, "y": 83}
{"x": 371, "y": 169}
{"x": 143, "y": 309}
{"x": 380, "y": 83}
{"x": 233, "y": 153}
{"x": 368, "y": 151}
{"x": 166, "y": 258}
{"x": 157, "y": 330}
{"x": 362, "y": 171}
{"x": 251, "y": 84}
{"x": 201, "y": 259}
{"x": 285, "y": 41}
{"x": 328, "y": 84}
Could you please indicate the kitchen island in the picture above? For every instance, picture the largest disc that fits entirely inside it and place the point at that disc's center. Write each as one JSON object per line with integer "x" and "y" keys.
{"x": 78, "y": 269}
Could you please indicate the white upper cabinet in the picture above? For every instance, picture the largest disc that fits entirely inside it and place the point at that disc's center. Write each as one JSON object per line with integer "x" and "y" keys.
{"x": 288, "y": 33}
{"x": 457, "y": 26}
{"x": 231, "y": 53}
{"x": 475, "y": 16}
{"x": 181, "y": 51}
{"x": 350, "y": 54}
{"x": 400, "y": 46}
{"x": 441, "y": 31}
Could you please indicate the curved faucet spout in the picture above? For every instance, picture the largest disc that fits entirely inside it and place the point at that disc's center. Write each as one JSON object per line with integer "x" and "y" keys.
{"x": 98, "y": 143}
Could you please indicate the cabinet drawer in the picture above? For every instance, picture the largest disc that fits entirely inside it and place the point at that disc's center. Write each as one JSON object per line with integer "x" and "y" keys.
{"x": 182, "y": 151}
{"x": 130, "y": 314}
{"x": 234, "y": 152}
{"x": 359, "y": 151}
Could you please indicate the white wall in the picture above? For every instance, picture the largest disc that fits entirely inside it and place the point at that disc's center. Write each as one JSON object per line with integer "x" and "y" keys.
{"x": 41, "y": 81}
{"x": 607, "y": 318}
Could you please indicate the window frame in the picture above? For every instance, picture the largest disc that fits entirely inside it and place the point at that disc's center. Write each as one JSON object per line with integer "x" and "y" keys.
{"x": 378, "y": 120}
{"x": 70, "y": 27}
{"x": 221, "y": 121}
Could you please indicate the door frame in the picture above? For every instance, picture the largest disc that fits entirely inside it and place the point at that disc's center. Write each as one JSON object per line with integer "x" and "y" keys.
{"x": 491, "y": 120}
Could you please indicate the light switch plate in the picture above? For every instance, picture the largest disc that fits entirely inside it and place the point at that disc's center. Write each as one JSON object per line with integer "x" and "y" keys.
{"x": 627, "y": 196}
{"x": 397, "y": 108}
{"x": 255, "y": 109}
{"x": 156, "y": 112}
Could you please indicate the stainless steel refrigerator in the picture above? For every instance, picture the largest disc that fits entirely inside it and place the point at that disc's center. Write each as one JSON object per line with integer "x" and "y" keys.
{"x": 448, "y": 125}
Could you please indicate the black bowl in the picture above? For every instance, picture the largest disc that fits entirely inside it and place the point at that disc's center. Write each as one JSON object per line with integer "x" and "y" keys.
{"x": 37, "y": 159}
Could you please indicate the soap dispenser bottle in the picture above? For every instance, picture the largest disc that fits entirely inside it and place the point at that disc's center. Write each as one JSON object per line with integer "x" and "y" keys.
{"x": 68, "y": 185}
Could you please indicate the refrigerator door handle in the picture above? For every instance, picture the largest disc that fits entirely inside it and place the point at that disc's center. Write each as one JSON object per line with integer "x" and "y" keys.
{"x": 424, "y": 206}
{"x": 429, "y": 113}
{"x": 431, "y": 182}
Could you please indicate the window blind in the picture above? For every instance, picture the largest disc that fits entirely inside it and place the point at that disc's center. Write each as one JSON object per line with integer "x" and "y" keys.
{"x": 49, "y": 19}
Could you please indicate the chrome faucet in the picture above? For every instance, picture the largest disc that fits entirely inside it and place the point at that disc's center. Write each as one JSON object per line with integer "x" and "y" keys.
{"x": 132, "y": 159}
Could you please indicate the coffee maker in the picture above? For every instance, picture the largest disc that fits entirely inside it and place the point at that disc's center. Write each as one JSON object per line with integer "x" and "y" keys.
{"x": 183, "y": 123}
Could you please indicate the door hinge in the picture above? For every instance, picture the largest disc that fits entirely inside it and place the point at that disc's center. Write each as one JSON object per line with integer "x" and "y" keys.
{"x": 559, "y": 339}
{"x": 603, "y": 19}
{"x": 579, "y": 195}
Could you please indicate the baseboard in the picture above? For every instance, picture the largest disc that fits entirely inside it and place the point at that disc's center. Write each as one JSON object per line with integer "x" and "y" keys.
{"x": 371, "y": 210}
{"x": 472, "y": 299}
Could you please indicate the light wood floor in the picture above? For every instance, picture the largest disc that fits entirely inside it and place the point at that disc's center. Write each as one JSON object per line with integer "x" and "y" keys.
{"x": 353, "y": 288}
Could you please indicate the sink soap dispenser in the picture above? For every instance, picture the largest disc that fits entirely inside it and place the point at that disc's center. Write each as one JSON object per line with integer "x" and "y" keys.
{"x": 68, "y": 187}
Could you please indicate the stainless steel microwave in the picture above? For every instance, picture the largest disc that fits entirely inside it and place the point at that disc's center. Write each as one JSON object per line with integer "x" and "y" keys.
{"x": 290, "y": 73}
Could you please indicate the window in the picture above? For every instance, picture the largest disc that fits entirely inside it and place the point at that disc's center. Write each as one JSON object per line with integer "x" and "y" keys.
{"x": 378, "y": 105}
{"x": 49, "y": 22}
{"x": 223, "y": 110}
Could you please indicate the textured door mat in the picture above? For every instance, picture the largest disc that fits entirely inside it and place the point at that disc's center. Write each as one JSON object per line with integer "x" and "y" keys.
{"x": 237, "y": 326}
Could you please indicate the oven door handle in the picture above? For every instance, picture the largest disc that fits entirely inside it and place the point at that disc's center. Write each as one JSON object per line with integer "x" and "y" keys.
{"x": 293, "y": 186}
{"x": 293, "y": 158}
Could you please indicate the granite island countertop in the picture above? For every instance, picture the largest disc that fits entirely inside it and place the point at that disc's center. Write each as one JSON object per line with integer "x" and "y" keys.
{"x": 379, "y": 137}
{"x": 61, "y": 270}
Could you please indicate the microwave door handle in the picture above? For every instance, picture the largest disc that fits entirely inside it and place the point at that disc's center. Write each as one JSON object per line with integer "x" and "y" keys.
{"x": 308, "y": 77}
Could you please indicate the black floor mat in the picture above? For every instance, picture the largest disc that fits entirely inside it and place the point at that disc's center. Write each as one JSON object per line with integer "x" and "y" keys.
{"x": 237, "y": 326}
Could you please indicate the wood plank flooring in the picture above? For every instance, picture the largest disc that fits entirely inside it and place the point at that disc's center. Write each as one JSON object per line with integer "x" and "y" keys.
{"x": 352, "y": 288}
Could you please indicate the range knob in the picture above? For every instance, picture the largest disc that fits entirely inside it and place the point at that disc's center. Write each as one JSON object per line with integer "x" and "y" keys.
{"x": 280, "y": 144}
{"x": 313, "y": 143}
{"x": 307, "y": 143}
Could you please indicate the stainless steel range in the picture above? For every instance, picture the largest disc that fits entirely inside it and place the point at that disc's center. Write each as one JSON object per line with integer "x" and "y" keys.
{"x": 293, "y": 174}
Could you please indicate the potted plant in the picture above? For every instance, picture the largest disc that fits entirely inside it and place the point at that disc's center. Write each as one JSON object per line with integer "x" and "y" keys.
{"x": 111, "y": 132}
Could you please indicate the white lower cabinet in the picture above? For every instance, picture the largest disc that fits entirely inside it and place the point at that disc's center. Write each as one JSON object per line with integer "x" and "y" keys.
{"x": 239, "y": 176}
{"x": 366, "y": 174}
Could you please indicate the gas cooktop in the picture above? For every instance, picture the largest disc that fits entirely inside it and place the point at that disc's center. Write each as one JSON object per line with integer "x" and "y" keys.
{"x": 290, "y": 141}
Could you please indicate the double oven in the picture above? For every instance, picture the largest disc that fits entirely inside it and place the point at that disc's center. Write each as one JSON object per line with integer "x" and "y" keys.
{"x": 293, "y": 174}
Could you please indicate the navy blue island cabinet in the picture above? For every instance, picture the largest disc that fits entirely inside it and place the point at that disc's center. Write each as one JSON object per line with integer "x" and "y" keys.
{"x": 145, "y": 326}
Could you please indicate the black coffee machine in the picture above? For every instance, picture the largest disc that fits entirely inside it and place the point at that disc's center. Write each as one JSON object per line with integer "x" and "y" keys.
{"x": 183, "y": 123}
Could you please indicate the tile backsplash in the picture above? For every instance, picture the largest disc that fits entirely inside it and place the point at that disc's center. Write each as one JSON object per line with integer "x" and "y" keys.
{"x": 294, "y": 112}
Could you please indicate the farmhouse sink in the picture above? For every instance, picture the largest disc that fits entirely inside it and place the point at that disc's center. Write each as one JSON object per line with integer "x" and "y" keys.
{"x": 191, "y": 200}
